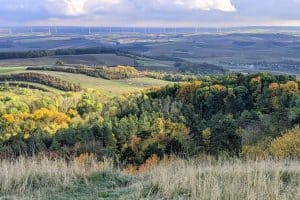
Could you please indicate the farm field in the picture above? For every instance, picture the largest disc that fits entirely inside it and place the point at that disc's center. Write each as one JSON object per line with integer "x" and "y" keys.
{"x": 90, "y": 59}
{"x": 109, "y": 87}
{"x": 4, "y": 70}
{"x": 30, "y": 85}
{"x": 97, "y": 59}
{"x": 249, "y": 51}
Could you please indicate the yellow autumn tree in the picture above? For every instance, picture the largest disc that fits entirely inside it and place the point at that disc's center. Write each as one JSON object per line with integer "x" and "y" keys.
{"x": 287, "y": 146}
{"x": 51, "y": 120}
{"x": 121, "y": 68}
{"x": 274, "y": 86}
{"x": 291, "y": 87}
{"x": 186, "y": 89}
{"x": 9, "y": 118}
{"x": 217, "y": 87}
{"x": 256, "y": 80}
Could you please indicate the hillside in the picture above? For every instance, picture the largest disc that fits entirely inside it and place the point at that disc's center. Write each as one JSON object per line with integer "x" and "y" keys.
{"x": 213, "y": 115}
{"x": 149, "y": 100}
{"x": 112, "y": 146}
{"x": 110, "y": 88}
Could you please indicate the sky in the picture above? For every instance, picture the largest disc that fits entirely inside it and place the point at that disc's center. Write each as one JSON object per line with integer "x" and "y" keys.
{"x": 151, "y": 13}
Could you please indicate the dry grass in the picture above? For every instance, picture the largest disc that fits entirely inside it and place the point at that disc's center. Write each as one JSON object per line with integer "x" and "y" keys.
{"x": 211, "y": 180}
{"x": 25, "y": 175}
{"x": 208, "y": 179}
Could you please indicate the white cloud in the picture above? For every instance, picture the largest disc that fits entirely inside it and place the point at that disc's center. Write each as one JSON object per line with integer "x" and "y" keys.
{"x": 66, "y": 7}
{"x": 79, "y": 7}
{"x": 83, "y": 7}
{"x": 222, "y": 5}
{"x": 123, "y": 12}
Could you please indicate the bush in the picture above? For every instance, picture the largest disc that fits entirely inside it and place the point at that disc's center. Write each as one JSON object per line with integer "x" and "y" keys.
{"x": 288, "y": 145}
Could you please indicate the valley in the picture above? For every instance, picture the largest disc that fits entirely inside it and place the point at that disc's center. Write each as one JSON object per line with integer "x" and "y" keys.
{"x": 149, "y": 114}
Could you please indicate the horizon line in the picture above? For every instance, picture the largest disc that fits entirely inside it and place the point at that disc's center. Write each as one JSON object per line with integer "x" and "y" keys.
{"x": 169, "y": 26}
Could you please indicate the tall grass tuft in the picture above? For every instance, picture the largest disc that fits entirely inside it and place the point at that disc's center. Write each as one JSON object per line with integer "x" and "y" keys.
{"x": 213, "y": 180}
{"x": 23, "y": 175}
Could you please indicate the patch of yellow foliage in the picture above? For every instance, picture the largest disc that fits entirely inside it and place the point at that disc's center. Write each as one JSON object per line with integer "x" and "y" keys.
{"x": 274, "y": 86}
{"x": 256, "y": 80}
{"x": 187, "y": 89}
{"x": 217, "y": 87}
{"x": 9, "y": 118}
{"x": 291, "y": 87}
{"x": 121, "y": 68}
{"x": 287, "y": 146}
{"x": 45, "y": 119}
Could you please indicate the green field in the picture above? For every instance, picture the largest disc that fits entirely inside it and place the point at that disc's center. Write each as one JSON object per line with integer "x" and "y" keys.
{"x": 89, "y": 59}
{"x": 30, "y": 85}
{"x": 10, "y": 69}
{"x": 108, "y": 87}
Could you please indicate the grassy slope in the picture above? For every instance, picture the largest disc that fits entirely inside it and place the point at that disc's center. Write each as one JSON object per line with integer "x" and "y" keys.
{"x": 37, "y": 85}
{"x": 4, "y": 70}
{"x": 88, "y": 59}
{"x": 177, "y": 179}
{"x": 110, "y": 87}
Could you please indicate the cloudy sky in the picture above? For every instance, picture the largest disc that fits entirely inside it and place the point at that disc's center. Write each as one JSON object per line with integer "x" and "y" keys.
{"x": 150, "y": 12}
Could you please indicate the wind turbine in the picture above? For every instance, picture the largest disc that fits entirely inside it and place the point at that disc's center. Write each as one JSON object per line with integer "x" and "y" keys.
{"x": 196, "y": 29}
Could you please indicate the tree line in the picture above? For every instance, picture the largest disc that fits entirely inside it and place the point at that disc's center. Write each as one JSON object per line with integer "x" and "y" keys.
{"x": 109, "y": 73}
{"x": 58, "y": 52}
{"x": 199, "y": 68}
{"x": 117, "y": 72}
{"x": 215, "y": 115}
{"x": 42, "y": 79}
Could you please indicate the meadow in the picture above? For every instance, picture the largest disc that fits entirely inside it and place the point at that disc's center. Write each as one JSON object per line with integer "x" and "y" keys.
{"x": 199, "y": 178}
{"x": 108, "y": 87}
{"x": 90, "y": 59}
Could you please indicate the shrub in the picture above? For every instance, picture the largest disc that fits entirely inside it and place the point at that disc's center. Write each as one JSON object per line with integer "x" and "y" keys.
{"x": 288, "y": 145}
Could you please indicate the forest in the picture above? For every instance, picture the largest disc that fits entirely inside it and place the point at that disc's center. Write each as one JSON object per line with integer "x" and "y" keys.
{"x": 199, "y": 68}
{"x": 235, "y": 115}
